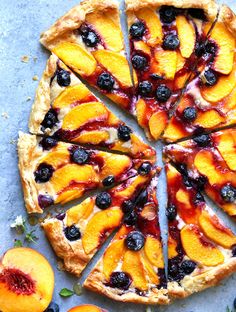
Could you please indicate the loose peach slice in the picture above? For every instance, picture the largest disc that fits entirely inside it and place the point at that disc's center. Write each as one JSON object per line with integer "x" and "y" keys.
{"x": 81, "y": 211}
{"x": 107, "y": 29}
{"x": 217, "y": 232}
{"x": 151, "y": 274}
{"x": 86, "y": 308}
{"x": 153, "y": 23}
{"x": 187, "y": 36}
{"x": 153, "y": 251}
{"x": 102, "y": 223}
{"x": 116, "y": 64}
{"x": 84, "y": 113}
{"x": 112, "y": 256}
{"x": 172, "y": 246}
{"x": 166, "y": 63}
{"x": 71, "y": 95}
{"x": 76, "y": 58}
{"x": 198, "y": 248}
{"x": 227, "y": 148}
{"x": 157, "y": 124}
{"x": 92, "y": 137}
{"x": 209, "y": 119}
{"x": 59, "y": 157}
{"x": 132, "y": 265}
{"x": 23, "y": 272}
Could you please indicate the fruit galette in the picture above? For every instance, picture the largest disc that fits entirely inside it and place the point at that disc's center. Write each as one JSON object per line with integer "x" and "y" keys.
{"x": 180, "y": 85}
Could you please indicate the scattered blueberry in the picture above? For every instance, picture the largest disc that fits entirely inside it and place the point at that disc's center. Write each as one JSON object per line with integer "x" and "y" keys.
{"x": 72, "y": 233}
{"x": 120, "y": 280}
{"x": 80, "y": 156}
{"x": 171, "y": 212}
{"x": 188, "y": 266}
{"x": 105, "y": 82}
{"x": 47, "y": 143}
{"x": 137, "y": 30}
{"x": 142, "y": 199}
{"x": 190, "y": 113}
{"x": 210, "y": 77}
{"x": 145, "y": 88}
{"x": 163, "y": 93}
{"x": 89, "y": 37}
{"x": 45, "y": 201}
{"x": 167, "y": 14}
{"x": 197, "y": 13}
{"x": 228, "y": 193}
{"x": 63, "y": 78}
{"x": 124, "y": 133}
{"x": 135, "y": 240}
{"x": 145, "y": 168}
{"x": 139, "y": 62}
{"x": 128, "y": 206}
{"x": 50, "y": 119}
{"x": 53, "y": 307}
{"x": 103, "y": 200}
{"x": 43, "y": 173}
{"x": 108, "y": 181}
{"x": 171, "y": 42}
{"x": 203, "y": 140}
{"x": 130, "y": 218}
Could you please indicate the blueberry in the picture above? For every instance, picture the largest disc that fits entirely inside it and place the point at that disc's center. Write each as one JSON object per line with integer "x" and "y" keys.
{"x": 197, "y": 13}
{"x": 199, "y": 198}
{"x": 137, "y": 30}
{"x": 135, "y": 240}
{"x": 124, "y": 133}
{"x": 156, "y": 76}
{"x": 139, "y": 62}
{"x": 89, "y": 37}
{"x": 145, "y": 88}
{"x": 108, "y": 181}
{"x": 171, "y": 42}
{"x": 45, "y": 201}
{"x": 43, "y": 173}
{"x": 80, "y": 156}
{"x": 50, "y": 119}
{"x": 130, "y": 218}
{"x": 228, "y": 193}
{"x": 173, "y": 270}
{"x": 182, "y": 169}
{"x": 235, "y": 303}
{"x": 171, "y": 212}
{"x": 203, "y": 140}
{"x": 63, "y": 78}
{"x": 145, "y": 168}
{"x": 167, "y": 14}
{"x": 200, "y": 182}
{"x": 210, "y": 77}
{"x": 163, "y": 93}
{"x": 47, "y": 143}
{"x": 103, "y": 200}
{"x": 120, "y": 280}
{"x": 234, "y": 251}
{"x": 142, "y": 198}
{"x": 188, "y": 266}
{"x": 61, "y": 216}
{"x": 105, "y": 82}
{"x": 211, "y": 48}
{"x": 190, "y": 113}
{"x": 200, "y": 49}
{"x": 72, "y": 233}
{"x": 128, "y": 206}
{"x": 53, "y": 307}
{"x": 187, "y": 181}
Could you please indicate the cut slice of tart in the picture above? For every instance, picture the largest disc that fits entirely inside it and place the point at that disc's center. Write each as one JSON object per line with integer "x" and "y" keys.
{"x": 201, "y": 249}
{"x": 80, "y": 232}
{"x": 209, "y": 101}
{"x": 132, "y": 267}
{"x": 209, "y": 160}
{"x": 164, "y": 43}
{"x": 54, "y": 172}
{"x": 65, "y": 109}
{"x": 88, "y": 39}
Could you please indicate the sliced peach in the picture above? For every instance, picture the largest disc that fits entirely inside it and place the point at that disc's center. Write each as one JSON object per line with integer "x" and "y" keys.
{"x": 209, "y": 119}
{"x": 116, "y": 64}
{"x": 187, "y": 36}
{"x": 131, "y": 188}
{"x": 71, "y": 95}
{"x": 231, "y": 101}
{"x": 86, "y": 308}
{"x": 183, "y": 197}
{"x": 120, "y": 98}
{"x": 101, "y": 224}
{"x": 151, "y": 273}
{"x": 81, "y": 211}
{"x": 132, "y": 265}
{"x": 180, "y": 62}
{"x": 23, "y": 272}
{"x": 227, "y": 148}
{"x": 216, "y": 231}
{"x": 153, "y": 23}
{"x": 141, "y": 107}
{"x": 142, "y": 46}
{"x": 92, "y": 137}
{"x": 112, "y": 256}
{"x": 181, "y": 80}
{"x": 59, "y": 157}
{"x": 166, "y": 63}
{"x": 153, "y": 251}
{"x": 198, "y": 248}
{"x": 107, "y": 29}
{"x": 76, "y": 58}
{"x": 172, "y": 246}
{"x": 68, "y": 195}
{"x": 157, "y": 124}
{"x": 173, "y": 131}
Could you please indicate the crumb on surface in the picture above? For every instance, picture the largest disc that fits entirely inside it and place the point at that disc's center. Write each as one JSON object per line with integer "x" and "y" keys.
{"x": 25, "y": 59}
{"x": 29, "y": 98}
{"x": 5, "y": 115}
{"x": 13, "y": 141}
{"x": 35, "y": 78}
{"x": 35, "y": 59}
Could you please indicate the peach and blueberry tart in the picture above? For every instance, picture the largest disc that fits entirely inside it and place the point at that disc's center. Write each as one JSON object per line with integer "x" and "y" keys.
{"x": 54, "y": 172}
{"x": 80, "y": 232}
{"x": 201, "y": 249}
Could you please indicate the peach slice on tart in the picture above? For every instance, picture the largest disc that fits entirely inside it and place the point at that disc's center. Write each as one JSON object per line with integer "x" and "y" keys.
{"x": 66, "y": 171}
{"x": 80, "y": 232}
{"x": 23, "y": 272}
{"x": 87, "y": 308}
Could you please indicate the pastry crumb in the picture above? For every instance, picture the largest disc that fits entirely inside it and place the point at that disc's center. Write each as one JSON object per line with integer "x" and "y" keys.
{"x": 35, "y": 59}
{"x": 35, "y": 78}
{"x": 13, "y": 141}
{"x": 25, "y": 59}
{"x": 29, "y": 98}
{"x": 5, "y": 115}
{"x": 60, "y": 266}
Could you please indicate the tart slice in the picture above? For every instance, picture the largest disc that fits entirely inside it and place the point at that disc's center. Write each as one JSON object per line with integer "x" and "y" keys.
{"x": 210, "y": 162}
{"x": 164, "y": 42}
{"x": 77, "y": 234}
{"x": 209, "y": 101}
{"x": 88, "y": 39}
{"x": 54, "y": 172}
{"x": 202, "y": 250}
{"x": 132, "y": 267}
{"x": 65, "y": 109}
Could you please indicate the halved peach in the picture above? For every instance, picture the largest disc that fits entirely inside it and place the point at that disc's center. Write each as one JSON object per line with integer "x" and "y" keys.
{"x": 112, "y": 256}
{"x": 116, "y": 64}
{"x": 76, "y": 57}
{"x": 227, "y": 148}
{"x": 216, "y": 231}
{"x": 187, "y": 36}
{"x": 86, "y": 308}
{"x": 71, "y": 95}
{"x": 81, "y": 211}
{"x": 84, "y": 113}
{"x": 157, "y": 124}
{"x": 166, "y": 63}
{"x": 153, "y": 251}
{"x": 92, "y": 137}
{"x": 96, "y": 228}
{"x": 209, "y": 119}
{"x": 23, "y": 272}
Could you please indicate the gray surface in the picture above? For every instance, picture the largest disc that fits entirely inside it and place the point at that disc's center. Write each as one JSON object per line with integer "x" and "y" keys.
{"x": 20, "y": 25}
